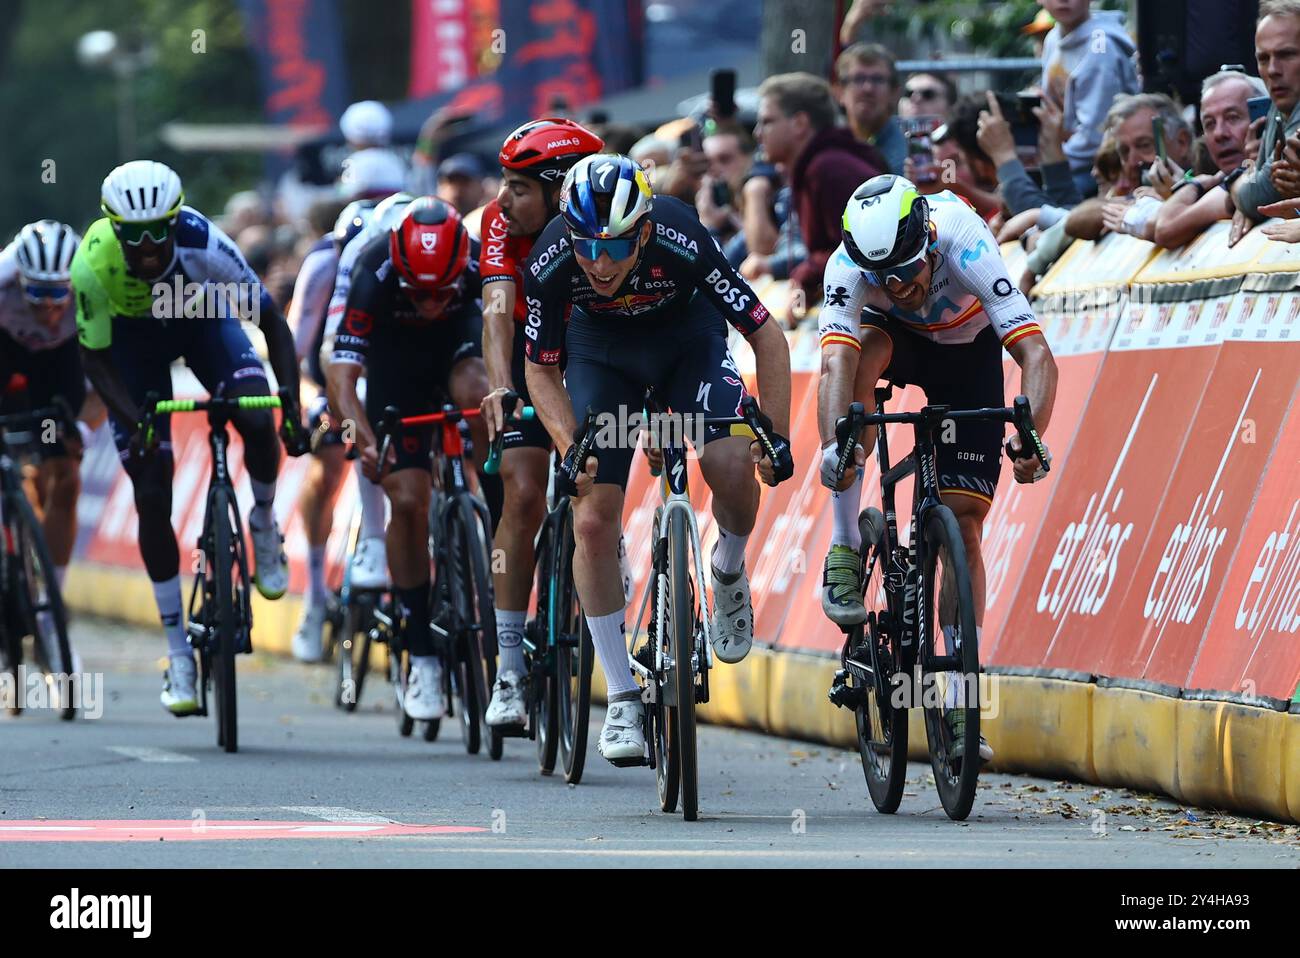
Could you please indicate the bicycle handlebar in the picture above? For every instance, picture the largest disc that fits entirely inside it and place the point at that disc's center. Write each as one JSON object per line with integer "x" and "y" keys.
{"x": 154, "y": 407}
{"x": 1018, "y": 414}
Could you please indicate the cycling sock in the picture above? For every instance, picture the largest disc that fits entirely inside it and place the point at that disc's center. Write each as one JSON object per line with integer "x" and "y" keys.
{"x": 955, "y": 694}
{"x": 611, "y": 648}
{"x": 317, "y": 591}
{"x": 263, "y": 499}
{"x": 371, "y": 495}
{"x": 168, "y": 596}
{"x": 510, "y": 640}
{"x": 415, "y": 612}
{"x": 729, "y": 552}
{"x": 844, "y": 508}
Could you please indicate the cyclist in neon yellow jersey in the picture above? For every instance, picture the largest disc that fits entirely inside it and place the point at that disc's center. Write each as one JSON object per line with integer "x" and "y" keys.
{"x": 156, "y": 281}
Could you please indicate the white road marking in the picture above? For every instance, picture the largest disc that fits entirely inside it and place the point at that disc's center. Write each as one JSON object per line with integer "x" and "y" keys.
{"x": 334, "y": 813}
{"x": 144, "y": 753}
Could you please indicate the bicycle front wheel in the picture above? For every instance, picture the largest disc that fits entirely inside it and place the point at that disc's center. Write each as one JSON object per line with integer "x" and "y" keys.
{"x": 684, "y": 626}
{"x": 946, "y": 619}
{"x": 223, "y": 567}
{"x": 43, "y": 603}
{"x": 543, "y": 692}
{"x": 574, "y": 656}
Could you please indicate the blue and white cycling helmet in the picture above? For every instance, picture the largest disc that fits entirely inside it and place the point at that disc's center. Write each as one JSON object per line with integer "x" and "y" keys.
{"x": 605, "y": 197}
{"x": 355, "y": 217}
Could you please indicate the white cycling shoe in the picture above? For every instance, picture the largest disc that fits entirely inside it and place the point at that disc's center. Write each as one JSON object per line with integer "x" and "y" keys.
{"x": 370, "y": 564}
{"x": 622, "y": 737}
{"x": 733, "y": 616}
{"x": 179, "y": 695}
{"x": 507, "y": 705}
{"x": 308, "y": 641}
{"x": 424, "y": 699}
{"x": 270, "y": 565}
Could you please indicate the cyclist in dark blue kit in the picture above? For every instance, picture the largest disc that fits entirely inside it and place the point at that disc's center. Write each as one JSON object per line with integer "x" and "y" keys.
{"x": 649, "y": 295}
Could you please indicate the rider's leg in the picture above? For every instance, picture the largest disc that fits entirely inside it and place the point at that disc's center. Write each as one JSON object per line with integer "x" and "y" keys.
{"x": 324, "y": 476}
{"x": 59, "y": 479}
{"x": 467, "y": 384}
{"x": 877, "y": 348}
{"x": 152, "y": 484}
{"x": 523, "y": 471}
{"x": 729, "y": 471}
{"x": 408, "y": 493}
{"x": 597, "y": 521}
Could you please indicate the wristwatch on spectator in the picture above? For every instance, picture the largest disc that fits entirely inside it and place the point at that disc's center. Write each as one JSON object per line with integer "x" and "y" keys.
{"x": 1190, "y": 181}
{"x": 1232, "y": 178}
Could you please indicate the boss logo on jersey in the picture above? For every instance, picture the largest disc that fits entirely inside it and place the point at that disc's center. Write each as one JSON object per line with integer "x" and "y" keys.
{"x": 676, "y": 237}
{"x": 534, "y": 317}
{"x": 731, "y": 295}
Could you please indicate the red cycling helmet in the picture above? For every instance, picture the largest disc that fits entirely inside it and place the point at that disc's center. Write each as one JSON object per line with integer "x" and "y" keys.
{"x": 429, "y": 247}
{"x": 545, "y": 149}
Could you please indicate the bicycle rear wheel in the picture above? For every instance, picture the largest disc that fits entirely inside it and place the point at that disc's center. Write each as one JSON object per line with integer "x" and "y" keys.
{"x": 223, "y": 567}
{"x": 950, "y": 698}
{"x": 466, "y": 673}
{"x": 684, "y": 626}
{"x": 574, "y": 657}
{"x": 881, "y": 715}
{"x": 352, "y": 639}
{"x": 42, "y": 602}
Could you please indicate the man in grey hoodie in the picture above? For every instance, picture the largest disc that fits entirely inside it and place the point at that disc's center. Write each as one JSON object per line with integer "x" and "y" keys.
{"x": 1087, "y": 61}
{"x": 1277, "y": 50}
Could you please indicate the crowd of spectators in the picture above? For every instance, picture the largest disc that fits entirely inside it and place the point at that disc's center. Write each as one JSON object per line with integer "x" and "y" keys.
{"x": 1080, "y": 152}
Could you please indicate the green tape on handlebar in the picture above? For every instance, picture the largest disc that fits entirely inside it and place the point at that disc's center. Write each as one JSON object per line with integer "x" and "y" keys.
{"x": 175, "y": 405}
{"x": 259, "y": 402}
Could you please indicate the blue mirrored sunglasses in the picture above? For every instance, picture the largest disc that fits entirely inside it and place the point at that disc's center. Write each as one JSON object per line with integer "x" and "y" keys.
{"x": 46, "y": 292}
{"x": 620, "y": 248}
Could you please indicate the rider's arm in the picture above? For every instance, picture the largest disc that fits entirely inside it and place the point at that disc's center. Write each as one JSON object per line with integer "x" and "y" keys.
{"x": 549, "y": 398}
{"x": 839, "y": 327}
{"x": 107, "y": 381}
{"x": 341, "y": 386}
{"x": 95, "y": 334}
{"x": 498, "y": 331}
{"x": 311, "y": 292}
{"x": 546, "y": 299}
{"x": 348, "y": 360}
{"x": 1037, "y": 377}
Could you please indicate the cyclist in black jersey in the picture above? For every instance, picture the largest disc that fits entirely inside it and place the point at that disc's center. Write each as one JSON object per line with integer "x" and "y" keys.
{"x": 651, "y": 294}
{"x": 413, "y": 324}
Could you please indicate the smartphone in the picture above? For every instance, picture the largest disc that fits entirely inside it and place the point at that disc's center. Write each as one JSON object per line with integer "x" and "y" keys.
{"x": 1158, "y": 132}
{"x": 920, "y": 149}
{"x": 721, "y": 193}
{"x": 1026, "y": 103}
{"x": 1258, "y": 106}
{"x": 693, "y": 138}
{"x": 722, "y": 91}
{"x": 1275, "y": 131}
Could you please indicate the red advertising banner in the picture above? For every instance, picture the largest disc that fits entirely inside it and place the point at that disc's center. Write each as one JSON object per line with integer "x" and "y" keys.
{"x": 442, "y": 51}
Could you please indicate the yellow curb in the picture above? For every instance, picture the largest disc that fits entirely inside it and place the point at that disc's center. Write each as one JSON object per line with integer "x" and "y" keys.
{"x": 1291, "y": 764}
{"x": 1135, "y": 737}
{"x": 1231, "y": 756}
{"x": 738, "y": 693}
{"x": 1039, "y": 724}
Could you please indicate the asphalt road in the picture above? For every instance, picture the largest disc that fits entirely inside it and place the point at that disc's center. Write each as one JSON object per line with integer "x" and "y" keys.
{"x": 359, "y": 795}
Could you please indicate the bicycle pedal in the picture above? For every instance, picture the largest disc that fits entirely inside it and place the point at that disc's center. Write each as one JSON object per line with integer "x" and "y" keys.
{"x": 638, "y": 762}
{"x": 519, "y": 730}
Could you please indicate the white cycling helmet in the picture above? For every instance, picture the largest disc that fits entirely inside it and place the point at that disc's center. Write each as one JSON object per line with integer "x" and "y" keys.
{"x": 44, "y": 251}
{"x": 605, "y": 177}
{"x": 390, "y": 212}
{"x": 886, "y": 223}
{"x": 141, "y": 191}
{"x": 372, "y": 174}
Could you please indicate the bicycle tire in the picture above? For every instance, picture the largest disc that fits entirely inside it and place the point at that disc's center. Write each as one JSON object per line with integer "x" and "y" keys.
{"x": 575, "y": 657}
{"x": 684, "y": 620}
{"x": 11, "y": 639}
{"x": 543, "y": 700}
{"x": 222, "y": 565}
{"x": 881, "y": 726}
{"x": 431, "y": 729}
{"x": 955, "y": 778}
{"x": 353, "y": 644}
{"x": 463, "y": 670}
{"x": 482, "y": 618}
{"x": 35, "y": 554}
{"x": 662, "y": 726}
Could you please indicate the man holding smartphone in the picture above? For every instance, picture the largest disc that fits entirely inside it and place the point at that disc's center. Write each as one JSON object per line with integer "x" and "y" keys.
{"x": 1276, "y": 174}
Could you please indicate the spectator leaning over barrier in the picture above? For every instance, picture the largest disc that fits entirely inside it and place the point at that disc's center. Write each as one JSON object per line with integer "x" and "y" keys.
{"x": 1277, "y": 51}
{"x": 867, "y": 88}
{"x": 1019, "y": 192}
{"x": 1087, "y": 61}
{"x": 1198, "y": 201}
{"x": 1145, "y": 180}
{"x": 796, "y": 128}
{"x": 728, "y": 154}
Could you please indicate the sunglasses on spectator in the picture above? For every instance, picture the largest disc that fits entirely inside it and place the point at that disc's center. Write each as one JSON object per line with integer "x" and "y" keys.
{"x": 904, "y": 273}
{"x": 866, "y": 79}
{"x": 618, "y": 249}
{"x": 52, "y": 293}
{"x": 924, "y": 93}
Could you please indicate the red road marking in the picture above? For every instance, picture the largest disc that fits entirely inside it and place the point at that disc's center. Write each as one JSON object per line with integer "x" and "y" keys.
{"x": 200, "y": 831}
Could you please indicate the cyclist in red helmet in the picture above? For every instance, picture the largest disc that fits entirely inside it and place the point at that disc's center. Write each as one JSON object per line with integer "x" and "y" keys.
{"x": 412, "y": 325}
{"x": 534, "y": 159}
